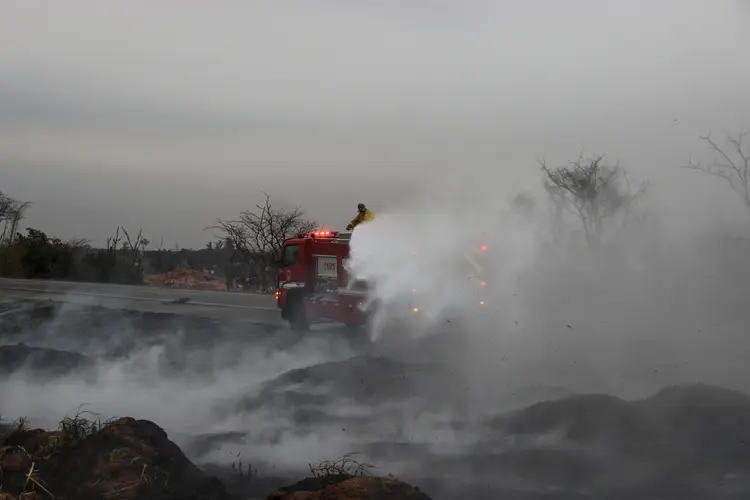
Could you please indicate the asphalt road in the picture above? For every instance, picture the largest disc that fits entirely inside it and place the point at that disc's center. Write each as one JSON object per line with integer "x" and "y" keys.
{"x": 253, "y": 308}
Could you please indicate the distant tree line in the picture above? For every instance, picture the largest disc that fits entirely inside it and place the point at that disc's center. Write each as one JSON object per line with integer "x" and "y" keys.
{"x": 597, "y": 196}
{"x": 125, "y": 259}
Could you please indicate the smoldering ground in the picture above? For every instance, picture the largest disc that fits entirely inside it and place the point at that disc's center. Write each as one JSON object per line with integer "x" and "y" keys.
{"x": 499, "y": 403}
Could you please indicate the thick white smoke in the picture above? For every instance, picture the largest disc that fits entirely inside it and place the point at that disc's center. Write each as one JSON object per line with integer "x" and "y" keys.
{"x": 421, "y": 256}
{"x": 640, "y": 311}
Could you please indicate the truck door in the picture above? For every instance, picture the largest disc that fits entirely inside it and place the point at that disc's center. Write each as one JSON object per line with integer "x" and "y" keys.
{"x": 291, "y": 268}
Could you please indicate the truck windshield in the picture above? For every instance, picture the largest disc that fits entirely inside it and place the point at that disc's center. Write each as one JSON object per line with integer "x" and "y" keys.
{"x": 289, "y": 256}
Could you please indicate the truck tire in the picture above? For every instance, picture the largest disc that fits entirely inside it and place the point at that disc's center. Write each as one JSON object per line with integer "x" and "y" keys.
{"x": 358, "y": 336}
{"x": 297, "y": 316}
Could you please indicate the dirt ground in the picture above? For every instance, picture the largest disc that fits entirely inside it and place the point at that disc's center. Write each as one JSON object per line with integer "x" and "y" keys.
{"x": 348, "y": 488}
{"x": 124, "y": 459}
{"x": 132, "y": 459}
{"x": 280, "y": 399}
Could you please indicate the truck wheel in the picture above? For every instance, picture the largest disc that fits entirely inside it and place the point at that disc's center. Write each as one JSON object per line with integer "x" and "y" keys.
{"x": 359, "y": 336}
{"x": 297, "y": 317}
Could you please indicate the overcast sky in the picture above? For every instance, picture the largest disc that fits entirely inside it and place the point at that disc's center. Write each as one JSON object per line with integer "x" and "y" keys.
{"x": 169, "y": 114}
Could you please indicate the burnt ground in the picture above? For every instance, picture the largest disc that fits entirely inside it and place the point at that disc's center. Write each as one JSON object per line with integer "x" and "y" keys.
{"x": 255, "y": 407}
{"x": 82, "y": 459}
{"x": 135, "y": 460}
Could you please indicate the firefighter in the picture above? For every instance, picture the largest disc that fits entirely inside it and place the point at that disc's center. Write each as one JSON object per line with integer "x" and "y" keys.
{"x": 363, "y": 214}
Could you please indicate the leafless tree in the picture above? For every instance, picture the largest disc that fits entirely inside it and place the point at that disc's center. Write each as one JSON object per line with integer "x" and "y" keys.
{"x": 731, "y": 163}
{"x": 11, "y": 214}
{"x": 591, "y": 191}
{"x": 78, "y": 243}
{"x": 134, "y": 248}
{"x": 6, "y": 205}
{"x": 112, "y": 243}
{"x": 257, "y": 236}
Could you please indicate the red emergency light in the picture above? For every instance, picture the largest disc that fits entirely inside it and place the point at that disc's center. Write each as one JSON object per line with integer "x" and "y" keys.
{"x": 324, "y": 234}
{"x": 484, "y": 248}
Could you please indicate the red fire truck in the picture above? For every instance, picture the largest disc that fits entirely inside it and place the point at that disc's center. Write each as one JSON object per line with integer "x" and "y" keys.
{"x": 313, "y": 284}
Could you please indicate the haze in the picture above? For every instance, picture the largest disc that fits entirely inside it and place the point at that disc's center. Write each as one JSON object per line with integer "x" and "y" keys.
{"x": 166, "y": 116}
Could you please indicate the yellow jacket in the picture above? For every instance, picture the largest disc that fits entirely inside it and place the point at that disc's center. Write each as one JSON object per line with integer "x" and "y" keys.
{"x": 362, "y": 218}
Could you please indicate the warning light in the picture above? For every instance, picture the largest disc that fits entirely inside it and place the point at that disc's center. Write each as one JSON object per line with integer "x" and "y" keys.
{"x": 413, "y": 290}
{"x": 416, "y": 309}
{"x": 484, "y": 248}
{"x": 414, "y": 252}
{"x": 483, "y": 283}
{"x": 324, "y": 234}
{"x": 481, "y": 302}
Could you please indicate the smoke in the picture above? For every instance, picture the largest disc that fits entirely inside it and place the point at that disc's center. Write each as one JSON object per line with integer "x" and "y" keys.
{"x": 654, "y": 304}
{"x": 437, "y": 251}
{"x": 660, "y": 302}
{"x": 174, "y": 374}
{"x": 275, "y": 400}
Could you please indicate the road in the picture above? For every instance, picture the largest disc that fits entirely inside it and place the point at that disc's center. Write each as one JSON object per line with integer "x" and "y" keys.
{"x": 254, "y": 308}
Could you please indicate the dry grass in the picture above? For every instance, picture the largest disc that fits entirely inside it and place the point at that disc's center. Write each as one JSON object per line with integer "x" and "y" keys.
{"x": 79, "y": 426}
{"x": 345, "y": 466}
{"x": 70, "y": 432}
{"x": 34, "y": 481}
{"x": 240, "y": 469}
{"x": 21, "y": 424}
{"x": 85, "y": 457}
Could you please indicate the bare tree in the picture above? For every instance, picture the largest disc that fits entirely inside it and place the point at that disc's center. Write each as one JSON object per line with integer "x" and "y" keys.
{"x": 591, "y": 191}
{"x": 257, "y": 236}
{"x": 731, "y": 163}
{"x": 11, "y": 213}
{"x": 134, "y": 248}
{"x": 112, "y": 243}
{"x": 78, "y": 243}
{"x": 6, "y": 204}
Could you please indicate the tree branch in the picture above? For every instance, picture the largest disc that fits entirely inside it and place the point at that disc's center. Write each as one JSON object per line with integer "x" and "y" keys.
{"x": 259, "y": 235}
{"x": 735, "y": 172}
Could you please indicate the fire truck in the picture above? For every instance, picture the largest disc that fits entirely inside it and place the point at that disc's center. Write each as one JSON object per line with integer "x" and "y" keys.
{"x": 313, "y": 285}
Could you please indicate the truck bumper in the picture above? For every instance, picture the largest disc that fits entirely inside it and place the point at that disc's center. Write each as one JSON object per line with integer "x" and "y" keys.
{"x": 344, "y": 310}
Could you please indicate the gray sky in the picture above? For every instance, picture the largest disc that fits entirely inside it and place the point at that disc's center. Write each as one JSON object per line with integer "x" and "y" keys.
{"x": 166, "y": 115}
